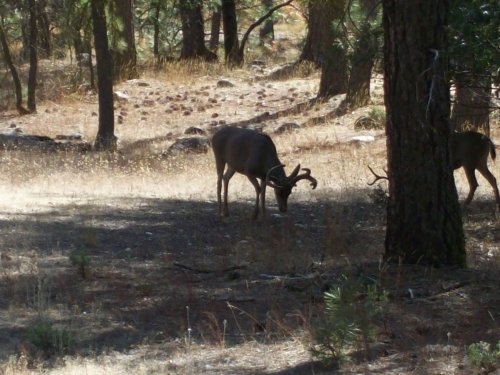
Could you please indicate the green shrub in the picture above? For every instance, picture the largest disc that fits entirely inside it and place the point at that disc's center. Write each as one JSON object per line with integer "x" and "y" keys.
{"x": 80, "y": 259}
{"x": 374, "y": 119}
{"x": 49, "y": 340}
{"x": 482, "y": 355}
{"x": 351, "y": 310}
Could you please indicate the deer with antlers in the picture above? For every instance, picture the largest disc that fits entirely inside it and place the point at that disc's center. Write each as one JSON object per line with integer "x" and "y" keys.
{"x": 469, "y": 150}
{"x": 254, "y": 155}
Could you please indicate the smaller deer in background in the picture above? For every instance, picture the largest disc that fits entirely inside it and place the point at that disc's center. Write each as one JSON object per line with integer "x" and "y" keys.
{"x": 470, "y": 150}
{"x": 254, "y": 155}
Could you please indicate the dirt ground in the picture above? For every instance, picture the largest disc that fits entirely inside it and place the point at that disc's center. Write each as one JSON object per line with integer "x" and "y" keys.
{"x": 173, "y": 288}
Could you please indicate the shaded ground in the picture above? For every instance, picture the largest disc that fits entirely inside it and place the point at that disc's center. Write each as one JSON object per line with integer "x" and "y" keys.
{"x": 173, "y": 288}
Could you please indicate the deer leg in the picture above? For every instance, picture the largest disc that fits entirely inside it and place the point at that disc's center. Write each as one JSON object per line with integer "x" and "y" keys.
{"x": 220, "y": 173}
{"x": 263, "y": 196}
{"x": 258, "y": 192}
{"x": 492, "y": 180}
{"x": 471, "y": 178}
{"x": 227, "y": 176}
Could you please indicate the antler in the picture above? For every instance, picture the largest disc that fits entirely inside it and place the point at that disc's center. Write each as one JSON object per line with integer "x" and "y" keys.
{"x": 306, "y": 176}
{"x": 268, "y": 174}
{"x": 377, "y": 177}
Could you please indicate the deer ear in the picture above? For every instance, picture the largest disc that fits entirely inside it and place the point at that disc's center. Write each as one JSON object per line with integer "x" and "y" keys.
{"x": 295, "y": 172}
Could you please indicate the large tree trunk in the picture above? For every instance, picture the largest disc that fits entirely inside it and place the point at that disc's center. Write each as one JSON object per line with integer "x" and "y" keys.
{"x": 362, "y": 58}
{"x": 32, "y": 75}
{"x": 13, "y": 71}
{"x": 105, "y": 139}
{"x": 424, "y": 222}
{"x": 332, "y": 55}
{"x": 193, "y": 31}
{"x": 471, "y": 110}
{"x": 230, "y": 25}
{"x": 125, "y": 60}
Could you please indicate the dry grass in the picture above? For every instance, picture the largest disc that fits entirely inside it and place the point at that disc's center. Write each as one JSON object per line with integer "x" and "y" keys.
{"x": 141, "y": 216}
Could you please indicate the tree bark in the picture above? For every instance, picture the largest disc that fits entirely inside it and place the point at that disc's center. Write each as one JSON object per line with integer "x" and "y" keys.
{"x": 215, "y": 28}
{"x": 329, "y": 54}
{"x": 13, "y": 71}
{"x": 44, "y": 28}
{"x": 156, "y": 33}
{"x": 193, "y": 32}
{"x": 319, "y": 24}
{"x": 471, "y": 110}
{"x": 125, "y": 60}
{"x": 424, "y": 224}
{"x": 105, "y": 139}
{"x": 230, "y": 26}
{"x": 32, "y": 75}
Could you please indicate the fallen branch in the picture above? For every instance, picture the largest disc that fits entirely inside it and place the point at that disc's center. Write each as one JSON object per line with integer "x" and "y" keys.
{"x": 200, "y": 270}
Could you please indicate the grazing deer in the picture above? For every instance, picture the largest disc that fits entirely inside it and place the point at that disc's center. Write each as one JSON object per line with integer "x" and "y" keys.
{"x": 470, "y": 150}
{"x": 254, "y": 155}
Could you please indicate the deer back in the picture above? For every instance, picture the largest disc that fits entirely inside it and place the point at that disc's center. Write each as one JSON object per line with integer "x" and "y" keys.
{"x": 247, "y": 151}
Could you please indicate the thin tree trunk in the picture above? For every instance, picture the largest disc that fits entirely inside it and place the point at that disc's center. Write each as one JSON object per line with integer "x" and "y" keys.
{"x": 215, "y": 29}
{"x": 424, "y": 224}
{"x": 156, "y": 32}
{"x": 32, "y": 77}
{"x": 13, "y": 72}
{"x": 44, "y": 28}
{"x": 105, "y": 139}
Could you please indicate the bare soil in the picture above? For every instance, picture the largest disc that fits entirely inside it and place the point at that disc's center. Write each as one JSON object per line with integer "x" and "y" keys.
{"x": 173, "y": 288}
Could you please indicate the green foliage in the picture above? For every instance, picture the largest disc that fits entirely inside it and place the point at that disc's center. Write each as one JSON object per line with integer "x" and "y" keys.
{"x": 351, "y": 311}
{"x": 482, "y": 355}
{"x": 474, "y": 35}
{"x": 374, "y": 119}
{"x": 377, "y": 114}
{"x": 49, "y": 340}
{"x": 80, "y": 259}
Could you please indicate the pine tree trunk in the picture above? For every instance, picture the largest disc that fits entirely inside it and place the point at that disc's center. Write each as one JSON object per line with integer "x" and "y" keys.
{"x": 215, "y": 29}
{"x": 44, "y": 28}
{"x": 230, "y": 25}
{"x": 105, "y": 139}
{"x": 319, "y": 22}
{"x": 32, "y": 75}
{"x": 156, "y": 32}
{"x": 362, "y": 60}
{"x": 125, "y": 61}
{"x": 332, "y": 56}
{"x": 424, "y": 224}
{"x": 13, "y": 71}
{"x": 193, "y": 32}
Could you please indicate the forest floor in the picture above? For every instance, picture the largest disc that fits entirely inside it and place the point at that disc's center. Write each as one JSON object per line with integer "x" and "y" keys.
{"x": 171, "y": 287}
